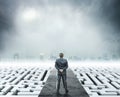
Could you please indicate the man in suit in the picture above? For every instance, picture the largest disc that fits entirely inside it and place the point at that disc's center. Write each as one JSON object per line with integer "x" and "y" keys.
{"x": 61, "y": 65}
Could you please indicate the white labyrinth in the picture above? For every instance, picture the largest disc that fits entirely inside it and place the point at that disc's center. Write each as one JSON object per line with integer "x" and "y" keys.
{"x": 22, "y": 81}
{"x": 99, "y": 81}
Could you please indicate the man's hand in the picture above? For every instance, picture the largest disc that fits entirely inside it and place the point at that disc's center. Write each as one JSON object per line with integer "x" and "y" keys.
{"x": 61, "y": 70}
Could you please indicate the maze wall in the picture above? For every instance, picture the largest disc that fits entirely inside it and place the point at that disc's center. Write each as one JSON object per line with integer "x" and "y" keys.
{"x": 29, "y": 81}
{"x": 99, "y": 81}
{"x": 22, "y": 81}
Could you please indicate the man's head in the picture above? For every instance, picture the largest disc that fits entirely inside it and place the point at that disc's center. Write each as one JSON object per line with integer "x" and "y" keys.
{"x": 61, "y": 55}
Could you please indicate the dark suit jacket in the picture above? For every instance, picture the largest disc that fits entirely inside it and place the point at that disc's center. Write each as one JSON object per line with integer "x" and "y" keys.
{"x": 61, "y": 63}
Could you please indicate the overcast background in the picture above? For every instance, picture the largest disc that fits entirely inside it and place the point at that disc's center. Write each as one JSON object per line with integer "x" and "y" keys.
{"x": 84, "y": 28}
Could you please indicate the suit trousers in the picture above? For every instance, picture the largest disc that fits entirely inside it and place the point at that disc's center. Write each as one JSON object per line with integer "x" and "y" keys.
{"x": 64, "y": 80}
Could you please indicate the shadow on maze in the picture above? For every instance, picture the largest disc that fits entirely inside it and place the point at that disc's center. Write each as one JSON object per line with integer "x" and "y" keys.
{"x": 74, "y": 86}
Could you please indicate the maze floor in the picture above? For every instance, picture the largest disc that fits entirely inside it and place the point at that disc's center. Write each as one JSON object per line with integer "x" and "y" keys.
{"x": 30, "y": 80}
{"x": 22, "y": 81}
{"x": 100, "y": 81}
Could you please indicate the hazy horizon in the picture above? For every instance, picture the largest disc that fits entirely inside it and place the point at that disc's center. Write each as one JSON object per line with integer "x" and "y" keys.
{"x": 83, "y": 28}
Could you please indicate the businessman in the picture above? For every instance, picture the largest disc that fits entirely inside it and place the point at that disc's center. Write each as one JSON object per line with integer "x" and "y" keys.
{"x": 61, "y": 65}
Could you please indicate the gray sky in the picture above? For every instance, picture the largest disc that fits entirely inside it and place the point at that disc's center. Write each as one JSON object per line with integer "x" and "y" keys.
{"x": 86, "y": 28}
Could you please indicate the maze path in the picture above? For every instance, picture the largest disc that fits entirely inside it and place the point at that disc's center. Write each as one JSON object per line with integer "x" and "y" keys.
{"x": 74, "y": 87}
{"x": 99, "y": 81}
{"x": 22, "y": 81}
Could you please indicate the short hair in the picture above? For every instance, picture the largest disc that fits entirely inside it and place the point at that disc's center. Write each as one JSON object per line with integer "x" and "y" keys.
{"x": 61, "y": 55}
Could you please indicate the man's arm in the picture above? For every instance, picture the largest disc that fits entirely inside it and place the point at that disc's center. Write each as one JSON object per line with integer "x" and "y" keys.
{"x": 56, "y": 65}
{"x": 66, "y": 65}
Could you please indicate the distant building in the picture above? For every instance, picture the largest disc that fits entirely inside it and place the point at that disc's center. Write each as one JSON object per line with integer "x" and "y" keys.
{"x": 16, "y": 56}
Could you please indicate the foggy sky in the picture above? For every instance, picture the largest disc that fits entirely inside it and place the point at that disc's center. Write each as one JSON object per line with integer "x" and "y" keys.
{"x": 85, "y": 28}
